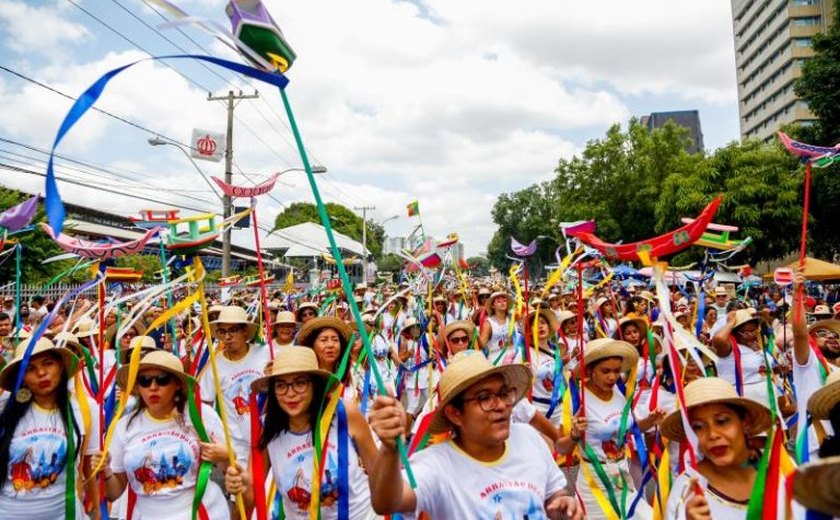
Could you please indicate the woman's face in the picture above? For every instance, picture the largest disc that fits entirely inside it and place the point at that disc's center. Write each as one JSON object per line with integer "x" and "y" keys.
{"x": 747, "y": 334}
{"x": 157, "y": 389}
{"x": 605, "y": 373}
{"x": 720, "y": 433}
{"x": 543, "y": 330}
{"x": 110, "y": 318}
{"x": 641, "y": 306}
{"x": 43, "y": 374}
{"x": 569, "y": 327}
{"x": 711, "y": 315}
{"x": 293, "y": 393}
{"x": 632, "y": 334}
{"x": 285, "y": 332}
{"x": 500, "y": 304}
{"x": 327, "y": 347}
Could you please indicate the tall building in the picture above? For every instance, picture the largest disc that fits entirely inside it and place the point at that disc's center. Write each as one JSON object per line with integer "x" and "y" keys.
{"x": 687, "y": 118}
{"x": 772, "y": 40}
{"x": 393, "y": 245}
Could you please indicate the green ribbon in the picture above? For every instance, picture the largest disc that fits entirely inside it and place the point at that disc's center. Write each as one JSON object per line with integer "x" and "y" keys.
{"x": 70, "y": 467}
{"x": 206, "y": 466}
{"x": 605, "y": 479}
{"x": 755, "y": 508}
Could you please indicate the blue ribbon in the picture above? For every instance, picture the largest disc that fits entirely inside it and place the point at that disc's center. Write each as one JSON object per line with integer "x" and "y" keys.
{"x": 52, "y": 202}
{"x": 343, "y": 464}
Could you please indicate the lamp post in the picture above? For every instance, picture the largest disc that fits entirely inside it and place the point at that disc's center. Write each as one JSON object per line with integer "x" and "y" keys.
{"x": 226, "y": 201}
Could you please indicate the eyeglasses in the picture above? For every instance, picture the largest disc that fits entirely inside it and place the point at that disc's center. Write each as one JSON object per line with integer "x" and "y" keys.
{"x": 748, "y": 333}
{"x": 306, "y": 313}
{"x": 459, "y": 339}
{"x": 160, "y": 379}
{"x": 488, "y": 401}
{"x": 299, "y": 385}
{"x": 822, "y": 333}
{"x": 232, "y": 330}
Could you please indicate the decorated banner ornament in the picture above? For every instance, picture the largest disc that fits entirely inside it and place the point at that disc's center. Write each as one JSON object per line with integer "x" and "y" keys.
{"x": 19, "y": 216}
{"x": 657, "y": 247}
{"x": 99, "y": 250}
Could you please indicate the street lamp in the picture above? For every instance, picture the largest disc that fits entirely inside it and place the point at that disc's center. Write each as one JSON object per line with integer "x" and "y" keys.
{"x": 226, "y": 200}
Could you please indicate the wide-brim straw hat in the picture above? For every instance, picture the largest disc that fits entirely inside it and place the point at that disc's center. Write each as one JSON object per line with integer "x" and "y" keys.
{"x": 547, "y": 314}
{"x": 601, "y": 301}
{"x": 744, "y": 316}
{"x": 311, "y": 328}
{"x": 233, "y": 315}
{"x": 638, "y": 322}
{"x": 714, "y": 390}
{"x": 293, "y": 359}
{"x": 816, "y": 486}
{"x": 306, "y": 305}
{"x": 408, "y": 324}
{"x": 111, "y": 332}
{"x": 604, "y": 348}
{"x": 566, "y": 316}
{"x": 284, "y": 318}
{"x": 822, "y": 310}
{"x": 826, "y": 398}
{"x": 85, "y": 328}
{"x": 494, "y": 295}
{"x": 466, "y": 326}
{"x": 8, "y": 375}
{"x": 647, "y": 295}
{"x": 160, "y": 359}
{"x": 468, "y": 368}
{"x": 69, "y": 340}
{"x": 145, "y": 343}
{"x": 831, "y": 325}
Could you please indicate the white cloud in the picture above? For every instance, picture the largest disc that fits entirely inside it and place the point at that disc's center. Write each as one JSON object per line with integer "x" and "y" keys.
{"x": 39, "y": 30}
{"x": 454, "y": 110}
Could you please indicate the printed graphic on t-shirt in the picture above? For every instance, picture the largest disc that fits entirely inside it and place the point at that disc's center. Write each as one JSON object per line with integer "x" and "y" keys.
{"x": 545, "y": 376}
{"x": 237, "y": 388}
{"x": 608, "y": 443}
{"x": 512, "y": 499}
{"x": 162, "y": 462}
{"x": 296, "y": 478}
{"x": 36, "y": 459}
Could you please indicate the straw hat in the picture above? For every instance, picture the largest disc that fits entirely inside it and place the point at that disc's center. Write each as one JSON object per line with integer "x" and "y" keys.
{"x": 111, "y": 332}
{"x": 548, "y": 315}
{"x": 233, "y": 315}
{"x": 822, "y": 311}
{"x": 85, "y": 328}
{"x": 830, "y": 325}
{"x": 744, "y": 316}
{"x": 604, "y": 348}
{"x": 159, "y": 359}
{"x": 640, "y": 323}
{"x": 566, "y": 316}
{"x": 714, "y": 390}
{"x": 466, "y": 326}
{"x": 408, "y": 323}
{"x": 292, "y": 359}
{"x": 306, "y": 305}
{"x": 720, "y": 291}
{"x": 826, "y": 398}
{"x": 816, "y": 485}
{"x": 310, "y": 329}
{"x": 601, "y": 301}
{"x": 468, "y": 368}
{"x": 146, "y": 343}
{"x": 66, "y": 339}
{"x": 484, "y": 291}
{"x": 9, "y": 373}
{"x": 285, "y": 318}
{"x": 647, "y": 295}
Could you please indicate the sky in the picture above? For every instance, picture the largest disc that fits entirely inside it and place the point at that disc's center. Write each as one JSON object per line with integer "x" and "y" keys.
{"x": 449, "y": 103}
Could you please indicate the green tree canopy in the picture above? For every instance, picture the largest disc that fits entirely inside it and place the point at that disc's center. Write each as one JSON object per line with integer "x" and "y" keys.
{"x": 637, "y": 183}
{"x": 343, "y": 220}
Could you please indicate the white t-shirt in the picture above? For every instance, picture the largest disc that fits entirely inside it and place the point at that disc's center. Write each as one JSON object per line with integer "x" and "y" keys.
{"x": 235, "y": 378}
{"x": 498, "y": 338}
{"x": 544, "y": 365}
{"x": 418, "y": 378}
{"x": 603, "y": 420}
{"x": 36, "y": 479}
{"x": 291, "y": 464}
{"x": 719, "y": 506}
{"x": 752, "y": 371}
{"x": 160, "y": 459}
{"x": 515, "y": 486}
{"x": 808, "y": 380}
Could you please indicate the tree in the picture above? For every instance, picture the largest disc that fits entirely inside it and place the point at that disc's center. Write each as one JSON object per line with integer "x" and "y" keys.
{"x": 479, "y": 265}
{"x": 342, "y": 220}
{"x": 149, "y": 264}
{"x": 391, "y": 263}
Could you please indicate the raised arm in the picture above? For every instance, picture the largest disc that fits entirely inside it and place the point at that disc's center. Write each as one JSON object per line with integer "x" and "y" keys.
{"x": 800, "y": 328}
{"x": 389, "y": 493}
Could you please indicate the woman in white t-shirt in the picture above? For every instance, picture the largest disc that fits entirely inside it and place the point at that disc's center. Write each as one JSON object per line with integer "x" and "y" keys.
{"x": 723, "y": 423}
{"x": 546, "y": 360}
{"x": 38, "y": 424}
{"x": 157, "y": 449}
{"x": 494, "y": 331}
{"x": 329, "y": 337}
{"x": 296, "y": 389}
{"x": 598, "y": 427}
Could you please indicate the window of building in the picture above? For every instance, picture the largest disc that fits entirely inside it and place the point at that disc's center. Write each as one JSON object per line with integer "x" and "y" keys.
{"x": 807, "y": 20}
{"x": 802, "y": 42}
{"x": 804, "y": 2}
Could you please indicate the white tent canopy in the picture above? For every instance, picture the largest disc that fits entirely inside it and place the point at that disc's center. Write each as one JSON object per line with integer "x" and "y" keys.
{"x": 307, "y": 240}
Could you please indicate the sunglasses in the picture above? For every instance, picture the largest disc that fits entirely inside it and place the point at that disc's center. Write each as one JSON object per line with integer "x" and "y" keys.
{"x": 160, "y": 379}
{"x": 459, "y": 339}
{"x": 232, "y": 330}
{"x": 827, "y": 334}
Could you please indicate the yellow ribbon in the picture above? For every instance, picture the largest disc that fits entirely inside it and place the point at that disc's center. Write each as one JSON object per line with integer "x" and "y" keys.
{"x": 324, "y": 428}
{"x": 84, "y": 409}
{"x": 172, "y": 312}
{"x": 600, "y": 498}
{"x": 663, "y": 476}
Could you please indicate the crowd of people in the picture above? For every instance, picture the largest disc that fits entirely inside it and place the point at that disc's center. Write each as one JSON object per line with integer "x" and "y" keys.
{"x": 469, "y": 401}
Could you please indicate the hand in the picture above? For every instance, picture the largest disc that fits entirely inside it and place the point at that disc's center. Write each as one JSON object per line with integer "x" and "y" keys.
{"x": 697, "y": 506}
{"x": 798, "y": 277}
{"x": 387, "y": 420}
{"x": 657, "y": 416}
{"x": 578, "y": 427}
{"x": 106, "y": 467}
{"x": 561, "y": 507}
{"x": 213, "y": 451}
{"x": 236, "y": 480}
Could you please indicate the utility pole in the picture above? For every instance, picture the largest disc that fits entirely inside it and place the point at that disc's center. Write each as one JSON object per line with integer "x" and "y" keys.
{"x": 364, "y": 210}
{"x": 231, "y": 97}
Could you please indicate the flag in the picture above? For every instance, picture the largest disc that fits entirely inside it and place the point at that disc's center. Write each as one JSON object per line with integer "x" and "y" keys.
{"x": 413, "y": 209}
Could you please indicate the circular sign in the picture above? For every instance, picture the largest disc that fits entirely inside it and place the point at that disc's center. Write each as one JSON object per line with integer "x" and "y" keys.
{"x": 783, "y": 276}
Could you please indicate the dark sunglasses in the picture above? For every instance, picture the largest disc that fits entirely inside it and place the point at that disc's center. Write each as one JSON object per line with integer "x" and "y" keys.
{"x": 459, "y": 339}
{"x": 160, "y": 379}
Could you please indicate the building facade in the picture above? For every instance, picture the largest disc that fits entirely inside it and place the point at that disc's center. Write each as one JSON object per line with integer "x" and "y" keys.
{"x": 689, "y": 119}
{"x": 773, "y": 38}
